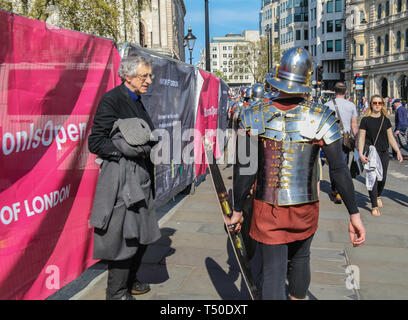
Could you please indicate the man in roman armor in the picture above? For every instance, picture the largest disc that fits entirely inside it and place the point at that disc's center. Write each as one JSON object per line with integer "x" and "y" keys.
{"x": 290, "y": 132}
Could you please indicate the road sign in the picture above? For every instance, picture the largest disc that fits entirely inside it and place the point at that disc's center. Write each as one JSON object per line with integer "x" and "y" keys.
{"x": 359, "y": 81}
{"x": 359, "y": 87}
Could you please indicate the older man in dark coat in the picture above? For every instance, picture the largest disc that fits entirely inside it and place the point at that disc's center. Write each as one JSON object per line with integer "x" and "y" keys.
{"x": 122, "y": 102}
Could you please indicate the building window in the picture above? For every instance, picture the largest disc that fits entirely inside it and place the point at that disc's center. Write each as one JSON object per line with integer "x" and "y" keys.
{"x": 387, "y": 43}
{"x": 338, "y": 26}
{"x": 378, "y": 45}
{"x": 361, "y": 49}
{"x": 214, "y": 49}
{"x": 298, "y": 35}
{"x": 329, "y": 46}
{"x": 322, "y": 27}
{"x": 330, "y": 26}
{"x": 306, "y": 35}
{"x": 330, "y": 6}
{"x": 338, "y": 45}
{"x": 362, "y": 16}
{"x": 322, "y": 46}
{"x": 399, "y": 5}
{"x": 398, "y": 42}
{"x": 214, "y": 63}
{"x": 214, "y": 56}
{"x": 338, "y": 6}
{"x": 379, "y": 9}
{"x": 387, "y": 8}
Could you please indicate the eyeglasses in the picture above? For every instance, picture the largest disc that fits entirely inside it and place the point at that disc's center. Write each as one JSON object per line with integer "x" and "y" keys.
{"x": 377, "y": 103}
{"x": 144, "y": 77}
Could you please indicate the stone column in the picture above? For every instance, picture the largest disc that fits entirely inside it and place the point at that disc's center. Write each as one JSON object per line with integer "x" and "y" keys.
{"x": 391, "y": 86}
{"x": 156, "y": 37}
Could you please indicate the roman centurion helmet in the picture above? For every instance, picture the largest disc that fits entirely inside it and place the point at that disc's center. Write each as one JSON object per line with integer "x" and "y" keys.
{"x": 293, "y": 73}
{"x": 257, "y": 91}
{"x": 248, "y": 93}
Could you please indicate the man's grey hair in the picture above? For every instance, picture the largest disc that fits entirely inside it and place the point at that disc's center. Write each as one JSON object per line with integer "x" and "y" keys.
{"x": 130, "y": 64}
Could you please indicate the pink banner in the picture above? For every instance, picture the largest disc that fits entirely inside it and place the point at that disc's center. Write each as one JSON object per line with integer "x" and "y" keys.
{"x": 207, "y": 118}
{"x": 51, "y": 81}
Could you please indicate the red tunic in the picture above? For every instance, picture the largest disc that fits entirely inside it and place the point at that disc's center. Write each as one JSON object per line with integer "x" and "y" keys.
{"x": 277, "y": 225}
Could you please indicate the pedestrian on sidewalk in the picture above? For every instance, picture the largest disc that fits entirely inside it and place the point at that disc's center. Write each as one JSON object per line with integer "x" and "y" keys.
{"x": 376, "y": 130}
{"x": 347, "y": 114}
{"x": 286, "y": 204}
{"x": 123, "y": 215}
{"x": 401, "y": 125}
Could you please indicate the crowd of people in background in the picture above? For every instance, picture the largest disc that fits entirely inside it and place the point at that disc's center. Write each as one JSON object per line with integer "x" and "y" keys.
{"x": 363, "y": 121}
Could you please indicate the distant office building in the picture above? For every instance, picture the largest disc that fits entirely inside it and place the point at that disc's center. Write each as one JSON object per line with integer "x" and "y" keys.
{"x": 315, "y": 25}
{"x": 377, "y": 47}
{"x": 224, "y": 57}
{"x": 269, "y": 29}
{"x": 326, "y": 39}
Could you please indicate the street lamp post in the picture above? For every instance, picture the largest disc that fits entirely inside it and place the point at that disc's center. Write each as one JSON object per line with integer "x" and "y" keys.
{"x": 207, "y": 38}
{"x": 189, "y": 40}
{"x": 353, "y": 49}
{"x": 267, "y": 40}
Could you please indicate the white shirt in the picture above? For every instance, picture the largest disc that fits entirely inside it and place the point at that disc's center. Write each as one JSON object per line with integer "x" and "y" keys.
{"x": 347, "y": 110}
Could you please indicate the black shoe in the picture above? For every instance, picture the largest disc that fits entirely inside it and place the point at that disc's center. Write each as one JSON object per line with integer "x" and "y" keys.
{"x": 126, "y": 296}
{"x": 139, "y": 288}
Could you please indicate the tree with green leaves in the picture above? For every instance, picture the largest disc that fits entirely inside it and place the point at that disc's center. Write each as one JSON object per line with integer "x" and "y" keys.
{"x": 114, "y": 19}
{"x": 252, "y": 58}
{"x": 220, "y": 75}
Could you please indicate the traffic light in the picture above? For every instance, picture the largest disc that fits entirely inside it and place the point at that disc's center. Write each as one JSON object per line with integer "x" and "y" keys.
{"x": 355, "y": 77}
{"x": 319, "y": 73}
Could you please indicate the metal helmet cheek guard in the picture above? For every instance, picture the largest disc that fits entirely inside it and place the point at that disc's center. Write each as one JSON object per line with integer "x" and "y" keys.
{"x": 293, "y": 73}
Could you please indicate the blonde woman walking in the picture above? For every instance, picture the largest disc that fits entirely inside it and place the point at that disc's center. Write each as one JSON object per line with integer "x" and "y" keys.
{"x": 376, "y": 130}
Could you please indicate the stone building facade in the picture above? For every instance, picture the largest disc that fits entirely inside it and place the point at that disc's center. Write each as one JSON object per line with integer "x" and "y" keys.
{"x": 378, "y": 47}
{"x": 162, "y": 28}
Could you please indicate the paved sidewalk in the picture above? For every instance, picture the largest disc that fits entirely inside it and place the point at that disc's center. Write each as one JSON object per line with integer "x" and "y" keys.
{"x": 193, "y": 260}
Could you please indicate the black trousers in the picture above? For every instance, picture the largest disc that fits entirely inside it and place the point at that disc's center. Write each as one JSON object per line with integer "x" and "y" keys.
{"x": 122, "y": 274}
{"x": 379, "y": 185}
{"x": 286, "y": 261}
